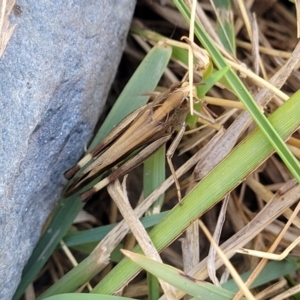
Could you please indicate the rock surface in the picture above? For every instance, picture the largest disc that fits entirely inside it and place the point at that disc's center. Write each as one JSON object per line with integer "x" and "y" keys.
{"x": 54, "y": 78}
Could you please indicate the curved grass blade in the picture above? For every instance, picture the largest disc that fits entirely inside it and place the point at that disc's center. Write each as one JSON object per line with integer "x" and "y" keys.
{"x": 193, "y": 287}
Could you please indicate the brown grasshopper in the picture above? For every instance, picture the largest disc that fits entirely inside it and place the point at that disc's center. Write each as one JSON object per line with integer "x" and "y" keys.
{"x": 147, "y": 128}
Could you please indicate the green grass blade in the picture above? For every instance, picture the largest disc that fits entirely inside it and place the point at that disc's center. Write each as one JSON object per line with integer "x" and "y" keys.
{"x": 144, "y": 80}
{"x": 83, "y": 296}
{"x": 197, "y": 288}
{"x": 154, "y": 175}
{"x": 95, "y": 235}
{"x": 66, "y": 212}
{"x": 272, "y": 271}
{"x": 225, "y": 26}
{"x": 244, "y": 158}
{"x": 244, "y": 96}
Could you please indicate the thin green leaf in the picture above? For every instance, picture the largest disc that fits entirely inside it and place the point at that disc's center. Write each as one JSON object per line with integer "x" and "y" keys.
{"x": 197, "y": 288}
{"x": 83, "y": 296}
{"x": 225, "y": 25}
{"x": 272, "y": 271}
{"x": 208, "y": 83}
{"x": 95, "y": 235}
{"x": 144, "y": 79}
{"x": 202, "y": 89}
{"x": 154, "y": 175}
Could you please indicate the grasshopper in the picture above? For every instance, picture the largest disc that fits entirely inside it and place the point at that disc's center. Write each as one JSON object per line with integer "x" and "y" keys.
{"x": 146, "y": 129}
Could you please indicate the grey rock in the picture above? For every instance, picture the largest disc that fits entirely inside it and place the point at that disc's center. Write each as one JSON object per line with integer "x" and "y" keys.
{"x": 55, "y": 75}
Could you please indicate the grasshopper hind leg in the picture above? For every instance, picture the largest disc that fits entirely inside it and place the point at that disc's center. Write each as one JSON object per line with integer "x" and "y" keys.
{"x": 169, "y": 156}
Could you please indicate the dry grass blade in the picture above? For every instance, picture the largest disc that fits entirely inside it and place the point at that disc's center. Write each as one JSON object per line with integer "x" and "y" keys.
{"x": 227, "y": 263}
{"x": 216, "y": 237}
{"x": 266, "y": 195}
{"x": 297, "y": 4}
{"x": 272, "y": 290}
{"x": 119, "y": 195}
{"x": 252, "y": 31}
{"x": 6, "y": 30}
{"x": 117, "y": 234}
{"x": 288, "y": 293}
{"x": 74, "y": 262}
{"x": 244, "y": 120}
{"x": 263, "y": 262}
{"x": 275, "y": 207}
{"x": 266, "y": 60}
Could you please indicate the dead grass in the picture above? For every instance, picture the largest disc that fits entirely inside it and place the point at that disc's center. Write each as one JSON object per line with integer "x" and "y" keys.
{"x": 6, "y": 30}
{"x": 264, "y": 44}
